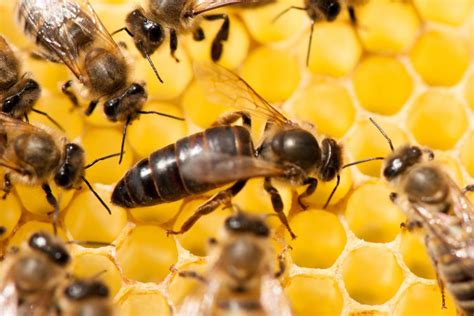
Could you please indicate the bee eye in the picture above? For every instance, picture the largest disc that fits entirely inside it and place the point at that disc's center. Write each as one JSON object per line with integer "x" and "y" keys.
{"x": 59, "y": 256}
{"x": 10, "y": 103}
{"x": 261, "y": 230}
{"x": 110, "y": 107}
{"x": 135, "y": 89}
{"x": 38, "y": 241}
{"x": 31, "y": 85}
{"x": 62, "y": 177}
{"x": 154, "y": 31}
{"x": 333, "y": 10}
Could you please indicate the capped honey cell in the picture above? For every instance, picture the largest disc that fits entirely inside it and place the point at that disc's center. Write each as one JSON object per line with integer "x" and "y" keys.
{"x": 320, "y": 239}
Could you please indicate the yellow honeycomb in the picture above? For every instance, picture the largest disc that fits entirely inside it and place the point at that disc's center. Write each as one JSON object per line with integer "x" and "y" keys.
{"x": 409, "y": 64}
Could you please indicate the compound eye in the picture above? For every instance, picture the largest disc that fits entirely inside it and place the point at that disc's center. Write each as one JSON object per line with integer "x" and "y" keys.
{"x": 135, "y": 89}
{"x": 110, "y": 107}
{"x": 261, "y": 230}
{"x": 60, "y": 256}
{"x": 154, "y": 31}
{"x": 62, "y": 177}
{"x": 333, "y": 10}
{"x": 38, "y": 241}
{"x": 10, "y": 103}
{"x": 31, "y": 85}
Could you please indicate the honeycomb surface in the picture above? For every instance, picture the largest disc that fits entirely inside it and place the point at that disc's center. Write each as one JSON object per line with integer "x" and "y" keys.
{"x": 408, "y": 64}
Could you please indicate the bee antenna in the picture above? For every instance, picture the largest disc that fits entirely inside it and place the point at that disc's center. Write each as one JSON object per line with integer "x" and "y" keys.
{"x": 151, "y": 63}
{"x": 282, "y": 13}
{"x": 362, "y": 161}
{"x": 100, "y": 159}
{"x": 308, "y": 53}
{"x": 96, "y": 194}
{"x": 383, "y": 133}
{"x": 338, "y": 180}
{"x": 124, "y": 135}
{"x": 162, "y": 114}
{"x": 49, "y": 118}
{"x": 89, "y": 243}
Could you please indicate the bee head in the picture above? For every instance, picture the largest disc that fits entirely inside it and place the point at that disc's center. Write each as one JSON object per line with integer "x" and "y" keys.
{"x": 72, "y": 168}
{"x": 401, "y": 160}
{"x": 331, "y": 160}
{"x": 55, "y": 251}
{"x": 20, "y": 103}
{"x": 241, "y": 224}
{"x": 147, "y": 35}
{"x": 85, "y": 289}
{"x": 126, "y": 105}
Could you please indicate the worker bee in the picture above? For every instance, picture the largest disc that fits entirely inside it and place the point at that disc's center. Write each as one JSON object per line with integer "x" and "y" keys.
{"x": 225, "y": 154}
{"x": 83, "y": 297}
{"x": 70, "y": 32}
{"x": 432, "y": 200}
{"x": 35, "y": 156}
{"x": 18, "y": 92}
{"x": 324, "y": 10}
{"x": 31, "y": 275}
{"x": 148, "y": 26}
{"x": 241, "y": 279}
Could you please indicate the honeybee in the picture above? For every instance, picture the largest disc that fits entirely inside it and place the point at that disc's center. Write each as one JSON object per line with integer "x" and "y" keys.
{"x": 18, "y": 92}
{"x": 83, "y": 297}
{"x": 148, "y": 26}
{"x": 31, "y": 275}
{"x": 241, "y": 279}
{"x": 324, "y": 10}
{"x": 70, "y": 32}
{"x": 35, "y": 156}
{"x": 431, "y": 199}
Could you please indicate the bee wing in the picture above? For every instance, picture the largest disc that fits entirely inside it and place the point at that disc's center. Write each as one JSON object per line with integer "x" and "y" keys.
{"x": 208, "y": 5}
{"x": 273, "y": 297}
{"x": 463, "y": 209}
{"x": 201, "y": 301}
{"x": 9, "y": 299}
{"x": 51, "y": 21}
{"x": 224, "y": 87}
{"x": 224, "y": 168}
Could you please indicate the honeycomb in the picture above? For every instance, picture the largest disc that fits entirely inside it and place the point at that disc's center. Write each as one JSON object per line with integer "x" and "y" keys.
{"x": 408, "y": 64}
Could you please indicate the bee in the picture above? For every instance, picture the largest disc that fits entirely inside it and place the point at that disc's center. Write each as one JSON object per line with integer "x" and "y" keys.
{"x": 84, "y": 297}
{"x": 70, "y": 32}
{"x": 241, "y": 279}
{"x": 147, "y": 26}
{"x": 324, "y": 10}
{"x": 431, "y": 199}
{"x": 31, "y": 275}
{"x": 18, "y": 92}
{"x": 35, "y": 156}
{"x": 225, "y": 154}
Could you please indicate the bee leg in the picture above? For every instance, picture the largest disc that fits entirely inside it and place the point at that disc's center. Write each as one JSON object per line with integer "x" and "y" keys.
{"x": 221, "y": 36}
{"x": 352, "y": 14}
{"x": 198, "y": 34}
{"x": 229, "y": 118}
{"x": 193, "y": 275}
{"x": 312, "y": 185}
{"x": 435, "y": 266}
{"x": 468, "y": 188}
{"x": 54, "y": 203}
{"x": 91, "y": 107}
{"x": 277, "y": 204}
{"x": 7, "y": 185}
{"x": 173, "y": 44}
{"x": 282, "y": 262}
{"x": 66, "y": 89}
{"x": 210, "y": 205}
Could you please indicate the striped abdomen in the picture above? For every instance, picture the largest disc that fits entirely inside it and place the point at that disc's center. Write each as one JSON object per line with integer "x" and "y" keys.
{"x": 158, "y": 178}
{"x": 456, "y": 273}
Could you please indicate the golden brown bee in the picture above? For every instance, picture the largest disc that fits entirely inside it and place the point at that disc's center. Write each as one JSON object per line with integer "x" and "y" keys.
{"x": 30, "y": 276}
{"x": 148, "y": 26}
{"x": 432, "y": 200}
{"x": 35, "y": 156}
{"x": 241, "y": 279}
{"x": 70, "y": 32}
{"x": 18, "y": 92}
{"x": 325, "y": 10}
{"x": 87, "y": 297}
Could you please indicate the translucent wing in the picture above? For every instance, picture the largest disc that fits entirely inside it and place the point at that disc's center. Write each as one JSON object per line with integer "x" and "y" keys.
{"x": 62, "y": 28}
{"x": 208, "y": 5}
{"x": 227, "y": 88}
{"x": 463, "y": 209}
{"x": 9, "y": 299}
{"x": 200, "y": 303}
{"x": 223, "y": 168}
{"x": 273, "y": 297}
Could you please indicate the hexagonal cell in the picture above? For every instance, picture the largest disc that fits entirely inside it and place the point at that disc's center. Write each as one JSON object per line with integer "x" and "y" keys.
{"x": 441, "y": 112}
{"x": 87, "y": 219}
{"x": 374, "y": 287}
{"x": 275, "y": 84}
{"x": 387, "y": 26}
{"x": 88, "y": 265}
{"x": 157, "y": 214}
{"x": 382, "y": 84}
{"x": 371, "y": 215}
{"x": 314, "y": 295}
{"x": 467, "y": 154}
{"x": 34, "y": 200}
{"x": 180, "y": 287}
{"x": 329, "y": 56}
{"x": 366, "y": 141}
{"x": 415, "y": 256}
{"x": 469, "y": 90}
{"x": 164, "y": 130}
{"x": 139, "y": 302}
{"x": 440, "y": 58}
{"x": 449, "y": 12}
{"x": 327, "y": 105}
{"x": 9, "y": 216}
{"x": 146, "y": 254}
{"x": 423, "y": 299}
{"x": 25, "y": 231}
{"x": 320, "y": 239}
